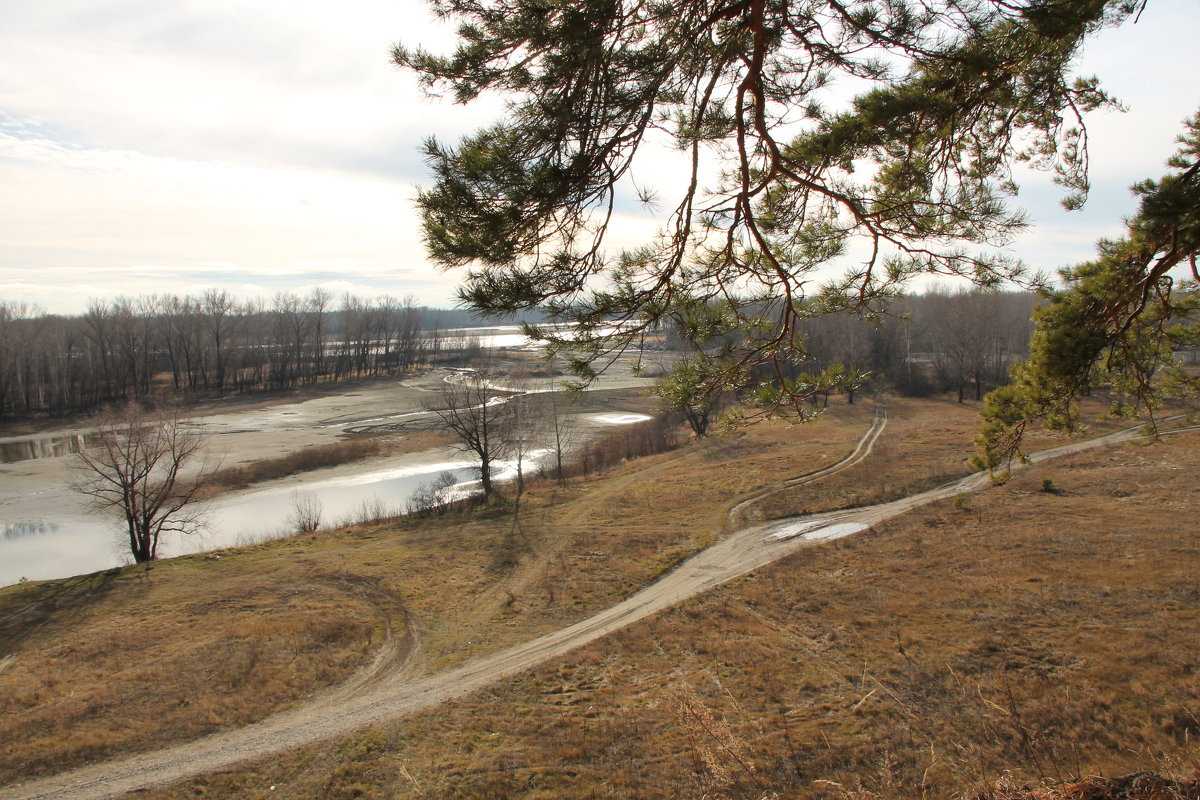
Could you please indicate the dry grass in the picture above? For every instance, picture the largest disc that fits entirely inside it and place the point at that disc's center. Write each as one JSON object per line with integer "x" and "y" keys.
{"x": 346, "y": 451}
{"x": 1032, "y": 636}
{"x": 581, "y": 547}
{"x": 197, "y": 645}
{"x": 925, "y": 443}
{"x": 130, "y": 660}
{"x": 1020, "y": 633}
{"x": 305, "y": 460}
{"x": 1135, "y": 786}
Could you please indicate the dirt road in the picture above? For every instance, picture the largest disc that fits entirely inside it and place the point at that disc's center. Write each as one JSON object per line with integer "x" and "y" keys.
{"x": 396, "y": 694}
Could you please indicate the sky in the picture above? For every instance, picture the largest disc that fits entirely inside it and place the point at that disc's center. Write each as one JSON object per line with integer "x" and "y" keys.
{"x": 258, "y": 146}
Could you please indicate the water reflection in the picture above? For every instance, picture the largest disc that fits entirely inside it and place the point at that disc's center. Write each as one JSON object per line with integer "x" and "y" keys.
{"x": 621, "y": 419}
{"x": 12, "y": 450}
{"x": 263, "y": 514}
{"x": 19, "y": 530}
{"x": 44, "y": 549}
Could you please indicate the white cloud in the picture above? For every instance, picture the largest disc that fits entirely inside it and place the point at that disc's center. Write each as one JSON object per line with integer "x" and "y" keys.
{"x": 125, "y": 201}
{"x": 93, "y": 222}
{"x": 273, "y": 137}
{"x": 269, "y": 145}
{"x": 265, "y": 82}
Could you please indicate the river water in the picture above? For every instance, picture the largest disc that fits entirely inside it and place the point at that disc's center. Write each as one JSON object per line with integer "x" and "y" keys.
{"x": 32, "y": 447}
{"x": 62, "y": 537}
{"x": 70, "y": 540}
{"x": 47, "y": 532}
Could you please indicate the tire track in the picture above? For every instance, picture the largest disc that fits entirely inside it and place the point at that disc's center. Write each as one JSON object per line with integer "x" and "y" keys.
{"x": 730, "y": 515}
{"x": 396, "y": 695}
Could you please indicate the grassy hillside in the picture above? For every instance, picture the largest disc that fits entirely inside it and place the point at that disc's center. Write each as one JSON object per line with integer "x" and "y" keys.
{"x": 1042, "y": 633}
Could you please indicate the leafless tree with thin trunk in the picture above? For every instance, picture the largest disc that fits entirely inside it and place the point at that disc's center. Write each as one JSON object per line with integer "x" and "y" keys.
{"x": 559, "y": 429}
{"x": 148, "y": 468}
{"x": 481, "y": 418}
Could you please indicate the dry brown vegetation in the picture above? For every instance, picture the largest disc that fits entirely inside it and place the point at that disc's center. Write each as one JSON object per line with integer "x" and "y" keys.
{"x": 922, "y": 446}
{"x": 305, "y": 460}
{"x": 345, "y": 451}
{"x": 466, "y": 580}
{"x": 1135, "y": 786}
{"x": 1040, "y": 634}
{"x": 132, "y": 659}
{"x": 1028, "y": 635}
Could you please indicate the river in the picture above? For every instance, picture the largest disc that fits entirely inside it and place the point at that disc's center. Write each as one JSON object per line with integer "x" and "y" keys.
{"x": 47, "y": 531}
{"x": 69, "y": 541}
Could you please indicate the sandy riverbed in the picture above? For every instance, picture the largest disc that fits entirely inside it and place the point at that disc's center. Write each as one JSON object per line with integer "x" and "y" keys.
{"x": 36, "y": 499}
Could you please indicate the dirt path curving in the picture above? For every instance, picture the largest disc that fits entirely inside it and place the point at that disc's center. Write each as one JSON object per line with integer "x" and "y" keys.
{"x": 733, "y": 513}
{"x": 396, "y": 656}
{"x": 394, "y": 694}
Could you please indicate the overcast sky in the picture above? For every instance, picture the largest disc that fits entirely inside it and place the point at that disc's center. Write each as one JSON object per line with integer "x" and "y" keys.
{"x": 261, "y": 145}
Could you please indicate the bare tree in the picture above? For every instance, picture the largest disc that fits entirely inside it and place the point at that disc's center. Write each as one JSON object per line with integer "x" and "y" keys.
{"x": 558, "y": 428}
{"x": 316, "y": 306}
{"x": 209, "y": 342}
{"x": 16, "y": 347}
{"x": 217, "y": 310}
{"x": 972, "y": 336}
{"x": 148, "y": 468}
{"x": 480, "y": 417}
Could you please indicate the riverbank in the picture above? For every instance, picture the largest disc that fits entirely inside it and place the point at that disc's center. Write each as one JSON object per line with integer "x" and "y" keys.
{"x": 43, "y": 521}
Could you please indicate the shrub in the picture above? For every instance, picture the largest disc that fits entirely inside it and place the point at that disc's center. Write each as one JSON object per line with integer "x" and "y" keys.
{"x": 657, "y": 435}
{"x": 430, "y": 497}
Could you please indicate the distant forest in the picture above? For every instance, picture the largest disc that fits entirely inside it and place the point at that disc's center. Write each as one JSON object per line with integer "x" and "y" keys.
{"x": 213, "y": 344}
{"x": 961, "y": 342}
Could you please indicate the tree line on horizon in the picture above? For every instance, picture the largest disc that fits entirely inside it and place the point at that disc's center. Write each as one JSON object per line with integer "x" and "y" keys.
{"x": 132, "y": 348}
{"x": 961, "y": 342}
{"x": 958, "y": 341}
